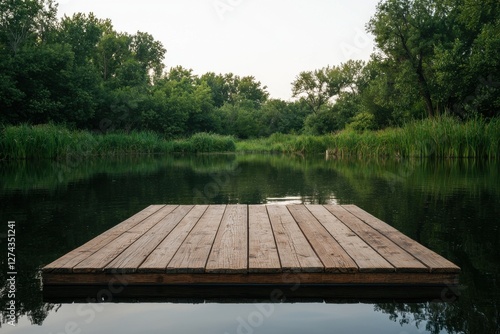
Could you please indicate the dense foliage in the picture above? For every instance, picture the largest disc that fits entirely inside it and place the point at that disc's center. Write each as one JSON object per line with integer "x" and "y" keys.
{"x": 433, "y": 57}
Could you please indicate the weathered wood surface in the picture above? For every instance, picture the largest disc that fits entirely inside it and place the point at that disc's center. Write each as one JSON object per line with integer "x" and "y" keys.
{"x": 262, "y": 251}
{"x": 252, "y": 244}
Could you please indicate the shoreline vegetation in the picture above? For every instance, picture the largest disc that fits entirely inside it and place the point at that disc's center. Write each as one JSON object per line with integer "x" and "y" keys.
{"x": 430, "y": 90}
{"x": 442, "y": 137}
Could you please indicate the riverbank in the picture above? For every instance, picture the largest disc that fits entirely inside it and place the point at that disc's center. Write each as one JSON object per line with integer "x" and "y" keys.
{"x": 443, "y": 137}
{"x": 51, "y": 141}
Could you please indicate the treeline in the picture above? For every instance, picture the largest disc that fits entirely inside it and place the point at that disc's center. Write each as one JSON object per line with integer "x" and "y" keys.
{"x": 433, "y": 57}
{"x": 79, "y": 71}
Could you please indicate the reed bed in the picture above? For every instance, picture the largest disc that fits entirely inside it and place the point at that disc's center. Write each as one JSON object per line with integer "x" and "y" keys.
{"x": 443, "y": 137}
{"x": 49, "y": 141}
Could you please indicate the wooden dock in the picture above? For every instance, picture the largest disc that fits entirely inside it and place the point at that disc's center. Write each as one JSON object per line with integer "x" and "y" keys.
{"x": 249, "y": 245}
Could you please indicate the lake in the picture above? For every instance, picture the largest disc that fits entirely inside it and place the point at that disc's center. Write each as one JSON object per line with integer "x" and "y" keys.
{"x": 450, "y": 206}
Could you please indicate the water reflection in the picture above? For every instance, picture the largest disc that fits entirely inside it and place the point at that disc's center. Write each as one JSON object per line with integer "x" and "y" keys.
{"x": 450, "y": 206}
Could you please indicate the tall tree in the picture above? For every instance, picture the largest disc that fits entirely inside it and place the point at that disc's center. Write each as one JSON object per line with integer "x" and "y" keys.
{"x": 26, "y": 22}
{"x": 321, "y": 87}
{"x": 468, "y": 67}
{"x": 313, "y": 88}
{"x": 82, "y": 32}
{"x": 149, "y": 53}
{"x": 406, "y": 32}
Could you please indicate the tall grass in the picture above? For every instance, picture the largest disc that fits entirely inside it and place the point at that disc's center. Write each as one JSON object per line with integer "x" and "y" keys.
{"x": 449, "y": 138}
{"x": 443, "y": 137}
{"x": 205, "y": 142}
{"x": 44, "y": 141}
{"x": 280, "y": 143}
{"x": 51, "y": 141}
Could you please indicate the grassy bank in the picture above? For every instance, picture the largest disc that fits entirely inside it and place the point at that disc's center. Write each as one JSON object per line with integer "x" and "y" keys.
{"x": 56, "y": 142}
{"x": 444, "y": 137}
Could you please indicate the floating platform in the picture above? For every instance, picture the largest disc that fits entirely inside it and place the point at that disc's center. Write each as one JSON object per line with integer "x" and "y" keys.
{"x": 289, "y": 245}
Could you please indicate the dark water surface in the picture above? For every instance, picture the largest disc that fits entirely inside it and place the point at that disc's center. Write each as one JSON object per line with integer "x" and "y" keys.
{"x": 451, "y": 206}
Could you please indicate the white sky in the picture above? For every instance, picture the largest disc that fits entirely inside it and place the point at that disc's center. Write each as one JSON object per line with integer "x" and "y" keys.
{"x": 272, "y": 40}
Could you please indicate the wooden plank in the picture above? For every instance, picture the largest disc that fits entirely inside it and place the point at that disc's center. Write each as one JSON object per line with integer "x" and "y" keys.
{"x": 192, "y": 255}
{"x": 230, "y": 249}
{"x": 158, "y": 260}
{"x": 236, "y": 244}
{"x": 97, "y": 261}
{"x": 236, "y": 294}
{"x": 434, "y": 261}
{"x": 367, "y": 259}
{"x": 283, "y": 279}
{"x": 293, "y": 248}
{"x": 333, "y": 256}
{"x": 262, "y": 250}
{"x": 130, "y": 259}
{"x": 71, "y": 259}
{"x": 399, "y": 258}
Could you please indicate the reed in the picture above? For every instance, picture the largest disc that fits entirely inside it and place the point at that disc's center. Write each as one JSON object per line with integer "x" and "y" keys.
{"x": 206, "y": 142}
{"x": 443, "y": 137}
{"x": 446, "y": 137}
{"x": 49, "y": 141}
{"x": 43, "y": 141}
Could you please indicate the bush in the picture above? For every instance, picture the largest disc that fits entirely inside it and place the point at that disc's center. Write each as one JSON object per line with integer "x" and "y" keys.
{"x": 209, "y": 142}
{"x": 362, "y": 122}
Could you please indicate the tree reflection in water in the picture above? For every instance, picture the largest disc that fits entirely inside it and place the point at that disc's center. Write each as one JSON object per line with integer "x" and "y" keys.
{"x": 451, "y": 206}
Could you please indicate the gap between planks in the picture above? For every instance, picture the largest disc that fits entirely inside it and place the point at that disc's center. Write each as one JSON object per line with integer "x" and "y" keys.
{"x": 241, "y": 239}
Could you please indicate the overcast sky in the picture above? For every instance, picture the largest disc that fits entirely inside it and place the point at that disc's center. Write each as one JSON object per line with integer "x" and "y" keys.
{"x": 272, "y": 40}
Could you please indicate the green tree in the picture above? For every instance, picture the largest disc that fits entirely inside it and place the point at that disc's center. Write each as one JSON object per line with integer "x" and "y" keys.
{"x": 239, "y": 119}
{"x": 313, "y": 88}
{"x": 180, "y": 105}
{"x": 445, "y": 49}
{"x": 332, "y": 94}
{"x": 219, "y": 87}
{"x": 321, "y": 122}
{"x": 149, "y": 53}
{"x": 248, "y": 88}
{"x": 113, "y": 50}
{"x": 278, "y": 116}
{"x": 26, "y": 23}
{"x": 468, "y": 66}
{"x": 406, "y": 32}
{"x": 83, "y": 33}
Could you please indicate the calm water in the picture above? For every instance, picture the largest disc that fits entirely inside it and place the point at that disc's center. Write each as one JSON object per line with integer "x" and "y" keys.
{"x": 452, "y": 207}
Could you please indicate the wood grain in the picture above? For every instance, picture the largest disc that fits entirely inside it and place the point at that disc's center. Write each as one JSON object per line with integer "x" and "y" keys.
{"x": 193, "y": 253}
{"x": 294, "y": 250}
{"x": 131, "y": 258}
{"x": 434, "y": 261}
{"x": 294, "y": 279}
{"x": 262, "y": 252}
{"x": 392, "y": 253}
{"x": 71, "y": 259}
{"x": 106, "y": 254}
{"x": 257, "y": 244}
{"x": 333, "y": 256}
{"x": 367, "y": 259}
{"x": 159, "y": 258}
{"x": 230, "y": 249}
